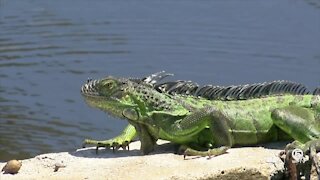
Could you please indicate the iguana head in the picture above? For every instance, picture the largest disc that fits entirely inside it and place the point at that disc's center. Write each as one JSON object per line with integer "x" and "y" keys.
{"x": 108, "y": 94}
{"x": 125, "y": 98}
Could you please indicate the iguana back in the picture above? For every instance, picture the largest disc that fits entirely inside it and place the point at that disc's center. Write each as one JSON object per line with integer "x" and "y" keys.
{"x": 215, "y": 92}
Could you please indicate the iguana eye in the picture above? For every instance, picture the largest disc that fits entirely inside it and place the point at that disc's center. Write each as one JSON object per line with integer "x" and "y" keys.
{"x": 107, "y": 87}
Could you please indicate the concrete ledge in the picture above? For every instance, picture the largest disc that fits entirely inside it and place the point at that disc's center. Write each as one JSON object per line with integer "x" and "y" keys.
{"x": 238, "y": 163}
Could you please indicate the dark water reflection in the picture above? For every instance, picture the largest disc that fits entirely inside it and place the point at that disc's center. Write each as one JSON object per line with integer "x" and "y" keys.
{"x": 49, "y": 48}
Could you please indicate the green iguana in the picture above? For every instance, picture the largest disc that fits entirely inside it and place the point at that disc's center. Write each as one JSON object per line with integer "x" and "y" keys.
{"x": 206, "y": 120}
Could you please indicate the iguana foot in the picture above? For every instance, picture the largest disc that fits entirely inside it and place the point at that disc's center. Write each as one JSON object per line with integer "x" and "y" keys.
{"x": 187, "y": 151}
{"x": 122, "y": 140}
{"x": 114, "y": 143}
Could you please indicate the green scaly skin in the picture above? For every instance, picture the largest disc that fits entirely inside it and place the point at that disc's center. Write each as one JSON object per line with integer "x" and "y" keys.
{"x": 201, "y": 126}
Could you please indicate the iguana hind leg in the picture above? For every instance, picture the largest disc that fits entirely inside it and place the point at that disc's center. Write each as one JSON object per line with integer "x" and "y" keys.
{"x": 301, "y": 124}
{"x": 146, "y": 139}
{"x": 122, "y": 140}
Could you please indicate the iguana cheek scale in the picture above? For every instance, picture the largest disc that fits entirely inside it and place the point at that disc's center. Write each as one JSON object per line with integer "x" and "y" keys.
{"x": 205, "y": 126}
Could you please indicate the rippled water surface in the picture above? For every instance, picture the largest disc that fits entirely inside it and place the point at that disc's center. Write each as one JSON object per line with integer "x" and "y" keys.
{"x": 49, "y": 48}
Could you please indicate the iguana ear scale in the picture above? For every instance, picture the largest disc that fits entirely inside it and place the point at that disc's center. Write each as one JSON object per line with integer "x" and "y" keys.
{"x": 131, "y": 114}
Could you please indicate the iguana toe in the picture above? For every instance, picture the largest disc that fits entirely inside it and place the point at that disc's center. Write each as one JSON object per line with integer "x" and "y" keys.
{"x": 115, "y": 146}
{"x": 125, "y": 145}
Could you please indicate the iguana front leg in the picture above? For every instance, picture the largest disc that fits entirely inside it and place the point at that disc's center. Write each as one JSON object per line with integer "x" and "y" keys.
{"x": 122, "y": 140}
{"x": 146, "y": 139}
{"x": 197, "y": 122}
{"x": 128, "y": 134}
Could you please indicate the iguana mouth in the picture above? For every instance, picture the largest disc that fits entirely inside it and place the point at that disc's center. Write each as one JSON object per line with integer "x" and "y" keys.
{"x": 90, "y": 88}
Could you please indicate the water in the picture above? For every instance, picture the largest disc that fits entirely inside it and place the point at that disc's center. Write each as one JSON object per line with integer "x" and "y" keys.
{"x": 49, "y": 48}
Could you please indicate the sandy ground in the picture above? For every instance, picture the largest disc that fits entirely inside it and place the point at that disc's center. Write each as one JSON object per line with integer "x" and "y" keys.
{"x": 243, "y": 163}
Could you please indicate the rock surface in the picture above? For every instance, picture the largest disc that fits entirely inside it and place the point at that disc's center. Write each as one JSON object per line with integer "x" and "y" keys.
{"x": 238, "y": 163}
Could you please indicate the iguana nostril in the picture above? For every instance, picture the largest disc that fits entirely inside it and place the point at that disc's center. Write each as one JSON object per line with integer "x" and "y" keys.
{"x": 89, "y": 80}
